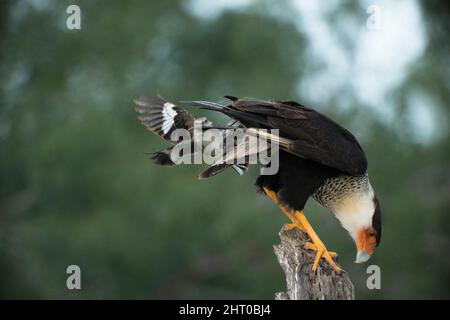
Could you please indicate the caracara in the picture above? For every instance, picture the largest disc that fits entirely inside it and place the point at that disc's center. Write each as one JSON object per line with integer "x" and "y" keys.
{"x": 318, "y": 158}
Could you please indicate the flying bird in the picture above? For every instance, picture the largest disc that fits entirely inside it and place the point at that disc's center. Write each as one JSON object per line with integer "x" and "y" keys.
{"x": 318, "y": 159}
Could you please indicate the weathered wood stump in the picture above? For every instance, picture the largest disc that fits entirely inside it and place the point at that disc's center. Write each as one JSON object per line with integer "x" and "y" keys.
{"x": 303, "y": 283}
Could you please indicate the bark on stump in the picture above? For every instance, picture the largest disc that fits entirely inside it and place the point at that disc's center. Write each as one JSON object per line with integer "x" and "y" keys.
{"x": 302, "y": 283}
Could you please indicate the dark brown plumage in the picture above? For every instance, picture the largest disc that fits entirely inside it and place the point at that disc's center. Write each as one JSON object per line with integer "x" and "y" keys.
{"x": 312, "y": 135}
{"x": 318, "y": 158}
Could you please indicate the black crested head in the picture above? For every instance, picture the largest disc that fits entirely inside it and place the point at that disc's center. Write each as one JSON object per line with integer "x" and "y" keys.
{"x": 376, "y": 219}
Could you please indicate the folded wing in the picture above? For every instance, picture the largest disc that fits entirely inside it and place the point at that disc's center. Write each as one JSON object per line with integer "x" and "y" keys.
{"x": 303, "y": 132}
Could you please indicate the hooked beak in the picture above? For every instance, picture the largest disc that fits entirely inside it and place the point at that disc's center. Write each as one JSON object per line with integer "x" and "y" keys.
{"x": 362, "y": 256}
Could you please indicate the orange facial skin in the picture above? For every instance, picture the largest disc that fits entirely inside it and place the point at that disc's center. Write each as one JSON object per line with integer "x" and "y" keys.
{"x": 366, "y": 240}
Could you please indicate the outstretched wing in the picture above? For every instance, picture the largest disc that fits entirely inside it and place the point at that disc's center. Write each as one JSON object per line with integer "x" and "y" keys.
{"x": 162, "y": 117}
{"x": 304, "y": 132}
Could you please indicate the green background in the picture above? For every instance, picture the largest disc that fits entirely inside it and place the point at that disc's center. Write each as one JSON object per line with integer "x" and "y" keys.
{"x": 77, "y": 188}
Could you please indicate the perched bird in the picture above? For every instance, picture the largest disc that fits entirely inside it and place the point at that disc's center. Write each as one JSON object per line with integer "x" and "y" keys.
{"x": 318, "y": 158}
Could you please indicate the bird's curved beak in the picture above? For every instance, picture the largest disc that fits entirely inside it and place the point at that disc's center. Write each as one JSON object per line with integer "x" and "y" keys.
{"x": 362, "y": 256}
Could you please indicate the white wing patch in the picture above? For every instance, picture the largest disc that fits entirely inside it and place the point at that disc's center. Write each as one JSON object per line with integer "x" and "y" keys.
{"x": 168, "y": 114}
{"x": 238, "y": 169}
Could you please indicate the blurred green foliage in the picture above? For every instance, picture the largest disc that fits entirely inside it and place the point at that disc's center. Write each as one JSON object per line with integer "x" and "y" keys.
{"x": 77, "y": 188}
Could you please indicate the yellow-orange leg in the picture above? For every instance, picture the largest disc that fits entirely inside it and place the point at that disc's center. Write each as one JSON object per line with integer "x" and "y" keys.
{"x": 316, "y": 244}
{"x": 294, "y": 222}
{"x": 298, "y": 220}
{"x": 312, "y": 246}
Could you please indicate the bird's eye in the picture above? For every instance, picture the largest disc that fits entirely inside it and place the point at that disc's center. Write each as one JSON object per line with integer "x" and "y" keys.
{"x": 372, "y": 233}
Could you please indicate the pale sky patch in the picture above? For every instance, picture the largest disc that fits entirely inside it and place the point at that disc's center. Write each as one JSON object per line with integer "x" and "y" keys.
{"x": 210, "y": 9}
{"x": 380, "y": 61}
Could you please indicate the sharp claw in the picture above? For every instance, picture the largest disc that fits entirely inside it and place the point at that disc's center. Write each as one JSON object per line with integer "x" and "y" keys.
{"x": 317, "y": 259}
{"x": 322, "y": 253}
{"x": 312, "y": 246}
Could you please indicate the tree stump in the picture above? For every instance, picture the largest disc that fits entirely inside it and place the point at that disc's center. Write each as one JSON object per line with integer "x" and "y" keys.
{"x": 303, "y": 283}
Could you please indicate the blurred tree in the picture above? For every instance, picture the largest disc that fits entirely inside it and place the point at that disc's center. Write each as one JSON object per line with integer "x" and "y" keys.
{"x": 76, "y": 187}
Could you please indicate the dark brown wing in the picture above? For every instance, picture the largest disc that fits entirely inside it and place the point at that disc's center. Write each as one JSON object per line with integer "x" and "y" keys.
{"x": 313, "y": 135}
{"x": 161, "y": 116}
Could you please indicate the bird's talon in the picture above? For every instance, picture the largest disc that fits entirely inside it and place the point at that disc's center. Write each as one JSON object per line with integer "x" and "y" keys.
{"x": 317, "y": 260}
{"x": 312, "y": 246}
{"x": 322, "y": 252}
